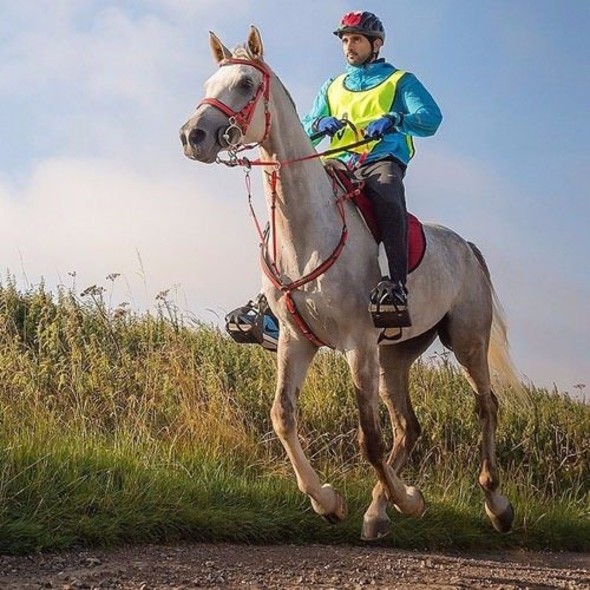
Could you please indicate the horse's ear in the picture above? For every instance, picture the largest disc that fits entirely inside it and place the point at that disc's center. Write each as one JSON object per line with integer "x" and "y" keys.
{"x": 255, "y": 43}
{"x": 220, "y": 51}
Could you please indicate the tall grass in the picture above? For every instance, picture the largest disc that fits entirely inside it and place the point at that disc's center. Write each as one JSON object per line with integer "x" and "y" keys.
{"x": 125, "y": 427}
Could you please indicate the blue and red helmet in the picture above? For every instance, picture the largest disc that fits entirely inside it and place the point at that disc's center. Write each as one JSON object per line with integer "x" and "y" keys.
{"x": 364, "y": 23}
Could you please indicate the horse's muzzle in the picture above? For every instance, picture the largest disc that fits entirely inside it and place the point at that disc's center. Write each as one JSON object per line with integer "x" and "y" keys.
{"x": 198, "y": 144}
{"x": 207, "y": 132}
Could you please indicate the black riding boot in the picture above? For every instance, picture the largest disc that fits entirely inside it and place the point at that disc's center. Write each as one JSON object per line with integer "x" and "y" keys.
{"x": 384, "y": 186}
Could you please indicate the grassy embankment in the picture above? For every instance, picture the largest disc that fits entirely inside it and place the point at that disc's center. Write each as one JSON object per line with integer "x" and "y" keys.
{"x": 117, "y": 427}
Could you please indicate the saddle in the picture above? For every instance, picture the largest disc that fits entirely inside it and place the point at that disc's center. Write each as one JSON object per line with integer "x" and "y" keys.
{"x": 342, "y": 176}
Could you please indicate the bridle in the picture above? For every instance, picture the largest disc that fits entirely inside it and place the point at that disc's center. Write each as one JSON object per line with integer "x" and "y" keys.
{"x": 240, "y": 120}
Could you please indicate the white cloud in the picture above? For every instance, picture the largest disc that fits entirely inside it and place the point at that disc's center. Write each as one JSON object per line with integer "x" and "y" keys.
{"x": 96, "y": 218}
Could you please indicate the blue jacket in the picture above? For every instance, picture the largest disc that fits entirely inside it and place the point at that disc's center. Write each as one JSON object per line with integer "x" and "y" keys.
{"x": 421, "y": 116}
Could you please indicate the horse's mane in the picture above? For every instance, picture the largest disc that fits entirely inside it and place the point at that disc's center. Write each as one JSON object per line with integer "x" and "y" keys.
{"x": 242, "y": 52}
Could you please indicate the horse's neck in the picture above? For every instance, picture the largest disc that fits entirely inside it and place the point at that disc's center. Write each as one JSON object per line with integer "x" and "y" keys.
{"x": 307, "y": 221}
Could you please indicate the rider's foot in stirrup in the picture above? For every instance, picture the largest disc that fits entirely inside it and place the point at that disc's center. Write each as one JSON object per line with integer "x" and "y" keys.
{"x": 254, "y": 323}
{"x": 388, "y": 305}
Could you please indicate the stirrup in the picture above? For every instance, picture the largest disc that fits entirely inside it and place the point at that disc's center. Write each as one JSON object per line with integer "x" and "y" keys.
{"x": 254, "y": 323}
{"x": 388, "y": 306}
{"x": 240, "y": 323}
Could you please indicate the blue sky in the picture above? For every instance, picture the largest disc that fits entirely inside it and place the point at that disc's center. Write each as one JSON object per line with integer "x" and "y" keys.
{"x": 93, "y": 181}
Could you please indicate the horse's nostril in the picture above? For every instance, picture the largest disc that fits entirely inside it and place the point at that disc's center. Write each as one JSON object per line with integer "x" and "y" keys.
{"x": 196, "y": 136}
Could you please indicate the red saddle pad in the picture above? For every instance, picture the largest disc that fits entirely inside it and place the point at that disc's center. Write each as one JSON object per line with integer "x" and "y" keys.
{"x": 416, "y": 238}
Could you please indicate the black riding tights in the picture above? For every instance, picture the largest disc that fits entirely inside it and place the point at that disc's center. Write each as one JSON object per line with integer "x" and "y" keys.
{"x": 384, "y": 186}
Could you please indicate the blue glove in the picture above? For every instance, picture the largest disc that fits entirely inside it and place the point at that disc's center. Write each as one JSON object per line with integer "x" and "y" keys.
{"x": 379, "y": 127}
{"x": 329, "y": 125}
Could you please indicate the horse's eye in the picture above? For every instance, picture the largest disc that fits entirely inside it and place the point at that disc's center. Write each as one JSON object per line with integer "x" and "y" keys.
{"x": 245, "y": 84}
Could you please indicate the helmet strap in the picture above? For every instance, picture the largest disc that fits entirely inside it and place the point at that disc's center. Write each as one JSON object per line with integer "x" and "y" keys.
{"x": 374, "y": 54}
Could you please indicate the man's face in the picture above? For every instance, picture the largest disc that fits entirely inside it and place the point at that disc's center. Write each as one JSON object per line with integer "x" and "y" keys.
{"x": 357, "y": 48}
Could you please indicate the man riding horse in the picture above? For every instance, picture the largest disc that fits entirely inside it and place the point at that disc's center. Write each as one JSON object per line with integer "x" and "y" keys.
{"x": 319, "y": 263}
{"x": 390, "y": 107}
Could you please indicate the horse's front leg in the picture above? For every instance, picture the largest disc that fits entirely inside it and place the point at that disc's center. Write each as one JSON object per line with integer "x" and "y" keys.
{"x": 294, "y": 357}
{"x": 407, "y": 499}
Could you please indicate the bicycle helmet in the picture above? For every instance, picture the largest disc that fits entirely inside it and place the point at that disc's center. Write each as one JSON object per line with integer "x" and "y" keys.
{"x": 365, "y": 23}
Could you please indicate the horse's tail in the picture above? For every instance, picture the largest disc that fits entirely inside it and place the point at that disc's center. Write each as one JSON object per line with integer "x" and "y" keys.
{"x": 504, "y": 376}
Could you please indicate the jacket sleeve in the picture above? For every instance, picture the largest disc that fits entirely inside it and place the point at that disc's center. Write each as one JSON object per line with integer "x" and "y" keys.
{"x": 319, "y": 109}
{"x": 418, "y": 112}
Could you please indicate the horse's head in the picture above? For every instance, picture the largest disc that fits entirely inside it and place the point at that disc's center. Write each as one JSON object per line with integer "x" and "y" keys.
{"x": 234, "y": 111}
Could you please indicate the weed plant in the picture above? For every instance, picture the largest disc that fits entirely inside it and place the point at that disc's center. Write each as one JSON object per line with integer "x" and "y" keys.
{"x": 124, "y": 427}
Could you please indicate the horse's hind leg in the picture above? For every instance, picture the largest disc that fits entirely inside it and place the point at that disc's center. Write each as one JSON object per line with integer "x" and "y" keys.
{"x": 294, "y": 357}
{"x": 364, "y": 367}
{"x": 395, "y": 364}
{"x": 471, "y": 352}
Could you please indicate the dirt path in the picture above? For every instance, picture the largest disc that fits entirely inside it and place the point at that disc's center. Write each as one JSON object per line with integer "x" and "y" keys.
{"x": 288, "y": 566}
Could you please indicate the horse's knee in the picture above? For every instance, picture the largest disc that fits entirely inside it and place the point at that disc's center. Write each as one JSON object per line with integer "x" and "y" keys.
{"x": 282, "y": 415}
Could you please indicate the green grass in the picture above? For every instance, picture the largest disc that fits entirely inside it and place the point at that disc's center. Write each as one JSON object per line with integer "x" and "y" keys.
{"x": 117, "y": 427}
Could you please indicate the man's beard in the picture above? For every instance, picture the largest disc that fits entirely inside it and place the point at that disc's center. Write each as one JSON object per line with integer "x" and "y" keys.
{"x": 354, "y": 59}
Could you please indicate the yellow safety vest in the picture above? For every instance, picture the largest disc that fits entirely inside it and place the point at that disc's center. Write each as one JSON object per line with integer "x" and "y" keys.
{"x": 360, "y": 107}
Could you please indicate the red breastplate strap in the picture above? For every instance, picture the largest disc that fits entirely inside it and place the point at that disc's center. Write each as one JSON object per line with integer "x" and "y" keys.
{"x": 271, "y": 270}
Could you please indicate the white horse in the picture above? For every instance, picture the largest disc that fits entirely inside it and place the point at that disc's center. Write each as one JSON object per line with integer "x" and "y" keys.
{"x": 450, "y": 293}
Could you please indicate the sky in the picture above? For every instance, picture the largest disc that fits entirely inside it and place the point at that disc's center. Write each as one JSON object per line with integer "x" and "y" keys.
{"x": 93, "y": 181}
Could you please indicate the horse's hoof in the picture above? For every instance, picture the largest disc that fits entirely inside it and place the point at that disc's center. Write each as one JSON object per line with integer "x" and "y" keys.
{"x": 502, "y": 521}
{"x": 415, "y": 505}
{"x": 338, "y": 512}
{"x": 374, "y": 528}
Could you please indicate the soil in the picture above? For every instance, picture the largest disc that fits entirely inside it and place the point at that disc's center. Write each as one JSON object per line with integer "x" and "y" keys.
{"x": 170, "y": 567}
